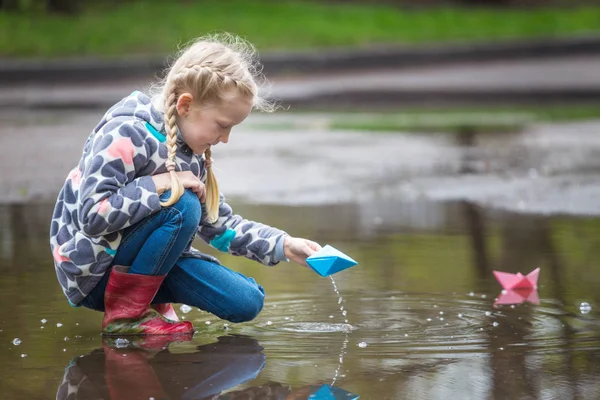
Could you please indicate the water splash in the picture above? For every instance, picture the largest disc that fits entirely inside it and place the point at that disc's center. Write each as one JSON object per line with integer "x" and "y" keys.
{"x": 185, "y": 308}
{"x": 340, "y": 299}
{"x": 585, "y": 308}
{"x": 346, "y": 332}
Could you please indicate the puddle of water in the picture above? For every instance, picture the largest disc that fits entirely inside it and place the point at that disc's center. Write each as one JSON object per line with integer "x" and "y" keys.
{"x": 420, "y": 319}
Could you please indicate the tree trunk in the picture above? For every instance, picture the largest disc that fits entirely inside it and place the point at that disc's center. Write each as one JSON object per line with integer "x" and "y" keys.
{"x": 62, "y": 6}
{"x": 9, "y": 5}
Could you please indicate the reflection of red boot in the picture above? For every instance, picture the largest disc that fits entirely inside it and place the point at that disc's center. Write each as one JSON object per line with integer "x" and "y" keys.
{"x": 127, "y": 312}
{"x": 167, "y": 311}
{"x": 129, "y": 376}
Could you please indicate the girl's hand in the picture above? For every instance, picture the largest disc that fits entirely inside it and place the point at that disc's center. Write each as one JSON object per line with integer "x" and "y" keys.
{"x": 298, "y": 249}
{"x": 187, "y": 179}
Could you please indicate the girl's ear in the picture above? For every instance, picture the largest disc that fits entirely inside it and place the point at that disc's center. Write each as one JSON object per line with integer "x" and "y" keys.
{"x": 184, "y": 104}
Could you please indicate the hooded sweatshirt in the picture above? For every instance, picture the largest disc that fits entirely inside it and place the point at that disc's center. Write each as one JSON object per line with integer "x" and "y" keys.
{"x": 112, "y": 189}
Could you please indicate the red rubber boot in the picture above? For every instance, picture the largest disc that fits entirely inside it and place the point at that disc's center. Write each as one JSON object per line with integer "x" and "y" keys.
{"x": 127, "y": 306}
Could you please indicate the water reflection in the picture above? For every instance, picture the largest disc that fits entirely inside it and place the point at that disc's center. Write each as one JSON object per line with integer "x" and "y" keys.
{"x": 146, "y": 368}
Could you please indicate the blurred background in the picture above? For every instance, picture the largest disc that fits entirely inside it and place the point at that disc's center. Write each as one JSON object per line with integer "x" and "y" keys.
{"x": 433, "y": 141}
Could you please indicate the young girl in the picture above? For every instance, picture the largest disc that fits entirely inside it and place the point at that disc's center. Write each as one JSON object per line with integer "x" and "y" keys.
{"x": 126, "y": 216}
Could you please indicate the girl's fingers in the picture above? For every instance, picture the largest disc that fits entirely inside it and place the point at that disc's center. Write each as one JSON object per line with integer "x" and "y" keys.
{"x": 314, "y": 246}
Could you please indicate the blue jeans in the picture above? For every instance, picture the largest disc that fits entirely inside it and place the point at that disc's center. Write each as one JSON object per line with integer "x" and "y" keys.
{"x": 154, "y": 246}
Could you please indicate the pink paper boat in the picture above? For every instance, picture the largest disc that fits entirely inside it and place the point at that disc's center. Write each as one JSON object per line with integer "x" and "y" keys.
{"x": 517, "y": 297}
{"x": 518, "y": 281}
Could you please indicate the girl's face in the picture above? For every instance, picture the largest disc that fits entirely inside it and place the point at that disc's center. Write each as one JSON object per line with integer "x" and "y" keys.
{"x": 203, "y": 127}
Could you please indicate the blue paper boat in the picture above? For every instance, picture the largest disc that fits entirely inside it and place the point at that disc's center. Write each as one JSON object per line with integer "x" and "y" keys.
{"x": 329, "y": 260}
{"x": 326, "y": 392}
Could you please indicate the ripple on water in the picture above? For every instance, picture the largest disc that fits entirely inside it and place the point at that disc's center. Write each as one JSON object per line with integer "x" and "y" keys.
{"x": 419, "y": 325}
{"x": 316, "y": 327}
{"x": 415, "y": 325}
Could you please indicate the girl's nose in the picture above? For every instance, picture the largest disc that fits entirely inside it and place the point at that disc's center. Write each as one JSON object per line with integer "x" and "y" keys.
{"x": 225, "y": 138}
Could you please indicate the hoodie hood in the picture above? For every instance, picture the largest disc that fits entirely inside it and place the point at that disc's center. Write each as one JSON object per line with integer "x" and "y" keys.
{"x": 138, "y": 105}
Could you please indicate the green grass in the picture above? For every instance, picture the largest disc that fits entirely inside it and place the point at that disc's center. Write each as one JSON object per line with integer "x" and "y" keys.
{"x": 157, "y": 27}
{"x": 451, "y": 120}
{"x": 455, "y": 120}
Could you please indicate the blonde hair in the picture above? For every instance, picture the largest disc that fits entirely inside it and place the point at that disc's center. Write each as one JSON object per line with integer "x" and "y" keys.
{"x": 210, "y": 68}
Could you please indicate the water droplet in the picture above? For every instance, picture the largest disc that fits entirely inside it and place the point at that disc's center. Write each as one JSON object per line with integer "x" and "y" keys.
{"x": 484, "y": 296}
{"x": 185, "y": 308}
{"x": 428, "y": 319}
{"x": 64, "y": 350}
{"x": 471, "y": 294}
{"x": 269, "y": 323}
{"x": 501, "y": 348}
{"x": 77, "y": 323}
{"x": 331, "y": 316}
{"x": 288, "y": 318}
{"x": 16, "y": 341}
{"x": 362, "y": 345}
{"x": 441, "y": 313}
{"x": 207, "y": 322}
{"x": 488, "y": 313}
{"x": 495, "y": 323}
{"x": 435, "y": 306}
{"x": 43, "y": 320}
{"x": 441, "y": 319}
{"x": 42, "y": 327}
{"x": 406, "y": 335}
{"x": 460, "y": 315}
{"x": 23, "y": 355}
{"x": 344, "y": 313}
{"x": 585, "y": 308}
{"x": 340, "y": 300}
{"x": 66, "y": 338}
{"x": 121, "y": 343}
{"x": 58, "y": 324}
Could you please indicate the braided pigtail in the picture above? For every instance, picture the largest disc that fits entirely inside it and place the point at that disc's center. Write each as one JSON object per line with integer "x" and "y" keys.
{"x": 171, "y": 127}
{"x": 212, "y": 191}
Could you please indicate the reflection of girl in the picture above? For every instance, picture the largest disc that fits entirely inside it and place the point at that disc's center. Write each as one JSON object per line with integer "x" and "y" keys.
{"x": 124, "y": 220}
{"x": 144, "y": 373}
{"x": 139, "y": 372}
